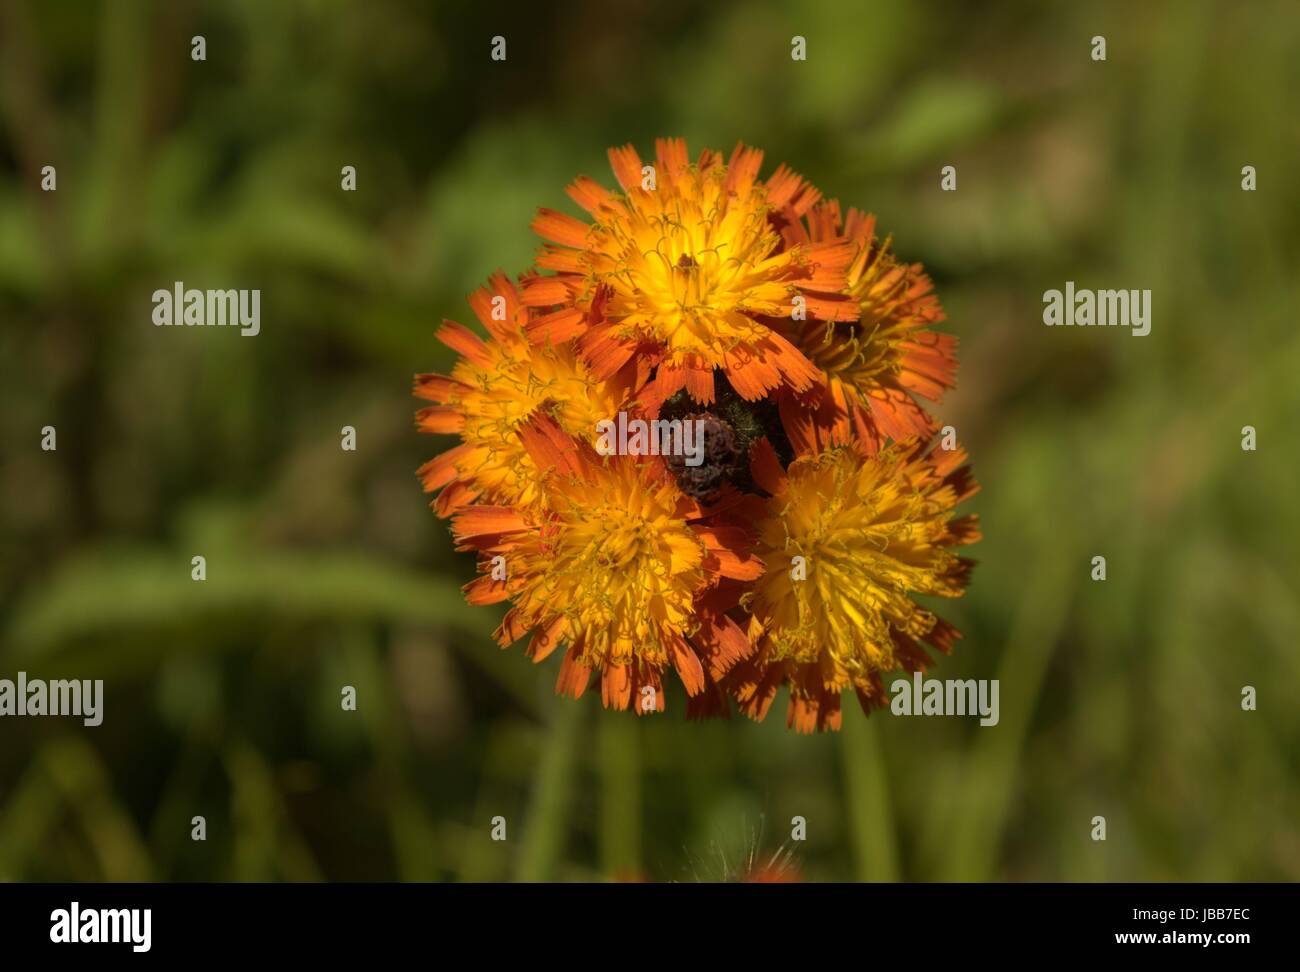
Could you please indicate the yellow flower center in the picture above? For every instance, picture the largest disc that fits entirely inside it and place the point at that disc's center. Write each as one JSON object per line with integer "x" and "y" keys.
{"x": 852, "y": 352}
{"x": 689, "y": 264}
{"x": 861, "y": 352}
{"x": 619, "y": 564}
{"x": 869, "y": 539}
{"x": 502, "y": 399}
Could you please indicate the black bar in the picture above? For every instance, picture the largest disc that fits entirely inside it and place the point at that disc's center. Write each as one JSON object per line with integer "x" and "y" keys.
{"x": 557, "y": 923}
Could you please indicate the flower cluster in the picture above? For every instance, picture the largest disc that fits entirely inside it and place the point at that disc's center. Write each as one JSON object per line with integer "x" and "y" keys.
{"x": 788, "y": 549}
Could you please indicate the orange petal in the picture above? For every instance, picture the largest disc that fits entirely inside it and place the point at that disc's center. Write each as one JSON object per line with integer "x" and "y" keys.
{"x": 545, "y": 640}
{"x": 545, "y": 291}
{"x": 588, "y": 193}
{"x": 727, "y": 643}
{"x": 560, "y": 228}
{"x": 786, "y": 187}
{"x": 814, "y": 714}
{"x": 813, "y": 425}
{"x": 627, "y": 167}
{"x": 485, "y": 590}
{"x": 550, "y": 446}
{"x": 443, "y": 419}
{"x": 965, "y": 529}
{"x": 671, "y": 156}
{"x": 616, "y": 686}
{"x": 797, "y": 419}
{"x": 604, "y": 352}
{"x": 742, "y": 168}
{"x": 440, "y": 470}
{"x": 871, "y": 439}
{"x": 830, "y": 308}
{"x": 502, "y": 326}
{"x": 574, "y": 675}
{"x": 766, "y": 467}
{"x": 557, "y": 327}
{"x": 699, "y": 383}
{"x": 511, "y": 629}
{"x": 798, "y": 371}
{"x": 454, "y": 495}
{"x": 688, "y": 666}
{"x": 750, "y": 376}
{"x": 729, "y": 547}
{"x": 435, "y": 388}
{"x": 898, "y": 415}
{"x": 649, "y": 679}
{"x": 755, "y": 687}
{"x": 668, "y": 381}
{"x": 824, "y": 221}
{"x": 942, "y": 636}
{"x": 478, "y": 521}
{"x": 560, "y": 259}
{"x": 460, "y": 338}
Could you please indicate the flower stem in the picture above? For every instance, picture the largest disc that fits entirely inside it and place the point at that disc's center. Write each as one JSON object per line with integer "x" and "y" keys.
{"x": 871, "y": 824}
{"x": 620, "y": 805}
{"x": 548, "y": 812}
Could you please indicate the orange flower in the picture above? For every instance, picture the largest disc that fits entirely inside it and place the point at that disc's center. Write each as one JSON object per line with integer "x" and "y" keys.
{"x": 687, "y": 273}
{"x": 497, "y": 386}
{"x": 619, "y": 564}
{"x": 873, "y": 366}
{"x": 782, "y": 359}
{"x": 848, "y": 539}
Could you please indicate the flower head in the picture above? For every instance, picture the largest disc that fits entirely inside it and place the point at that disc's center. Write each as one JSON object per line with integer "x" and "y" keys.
{"x": 617, "y": 563}
{"x": 687, "y": 271}
{"x": 849, "y": 540}
{"x": 496, "y": 386}
{"x": 775, "y": 359}
{"x": 873, "y": 367}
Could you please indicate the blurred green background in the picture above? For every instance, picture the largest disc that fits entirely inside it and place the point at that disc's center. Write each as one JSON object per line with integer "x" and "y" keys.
{"x": 326, "y": 568}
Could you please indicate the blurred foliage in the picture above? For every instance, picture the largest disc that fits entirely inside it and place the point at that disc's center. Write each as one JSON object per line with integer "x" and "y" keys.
{"x": 325, "y": 567}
